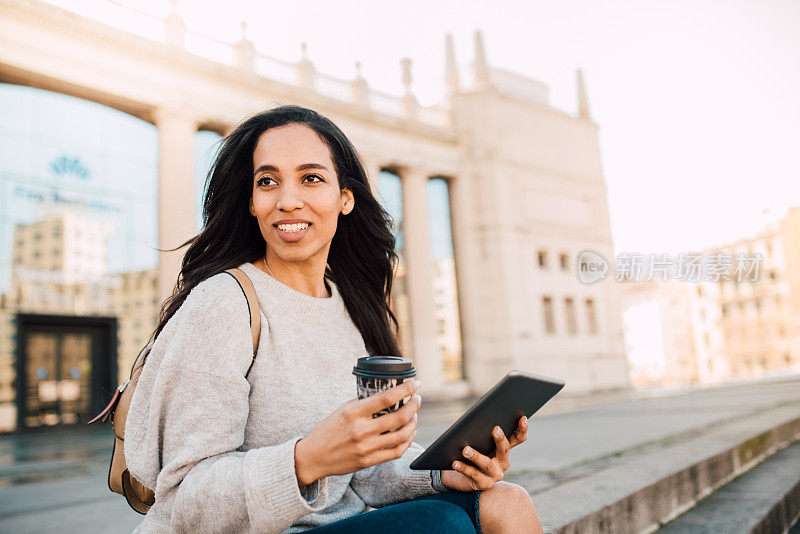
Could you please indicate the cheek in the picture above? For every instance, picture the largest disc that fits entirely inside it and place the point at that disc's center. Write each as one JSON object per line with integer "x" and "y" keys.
{"x": 261, "y": 207}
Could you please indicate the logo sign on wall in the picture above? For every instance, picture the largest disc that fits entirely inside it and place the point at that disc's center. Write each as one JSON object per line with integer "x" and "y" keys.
{"x": 69, "y": 166}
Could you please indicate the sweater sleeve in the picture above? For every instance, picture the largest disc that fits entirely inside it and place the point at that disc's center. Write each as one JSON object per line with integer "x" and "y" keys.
{"x": 393, "y": 481}
{"x": 186, "y": 425}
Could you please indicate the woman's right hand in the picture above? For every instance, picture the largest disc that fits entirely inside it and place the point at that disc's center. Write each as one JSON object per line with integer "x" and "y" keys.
{"x": 350, "y": 439}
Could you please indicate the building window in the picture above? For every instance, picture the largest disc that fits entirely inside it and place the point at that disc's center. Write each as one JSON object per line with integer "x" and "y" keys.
{"x": 569, "y": 307}
{"x": 563, "y": 259}
{"x": 591, "y": 316}
{"x": 542, "y": 259}
{"x": 549, "y": 319}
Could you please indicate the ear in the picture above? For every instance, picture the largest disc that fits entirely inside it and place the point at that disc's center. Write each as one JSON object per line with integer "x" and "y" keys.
{"x": 252, "y": 211}
{"x": 349, "y": 201}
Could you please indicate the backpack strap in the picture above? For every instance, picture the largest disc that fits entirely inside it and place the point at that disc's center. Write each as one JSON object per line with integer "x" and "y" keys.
{"x": 249, "y": 291}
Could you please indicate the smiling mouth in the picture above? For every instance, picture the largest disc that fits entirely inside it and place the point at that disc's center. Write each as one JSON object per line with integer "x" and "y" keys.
{"x": 292, "y": 228}
{"x": 292, "y": 234}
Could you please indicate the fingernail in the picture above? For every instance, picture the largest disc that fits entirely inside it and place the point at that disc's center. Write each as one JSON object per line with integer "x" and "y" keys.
{"x": 468, "y": 452}
{"x": 497, "y": 431}
{"x": 417, "y": 384}
{"x": 456, "y": 465}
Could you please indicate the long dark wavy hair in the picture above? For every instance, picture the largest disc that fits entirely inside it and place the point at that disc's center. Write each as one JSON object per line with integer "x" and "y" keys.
{"x": 362, "y": 256}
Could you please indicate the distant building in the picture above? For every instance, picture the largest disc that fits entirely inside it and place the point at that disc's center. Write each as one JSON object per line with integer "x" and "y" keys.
{"x": 59, "y": 265}
{"x": 659, "y": 332}
{"x": 751, "y": 328}
{"x": 740, "y": 322}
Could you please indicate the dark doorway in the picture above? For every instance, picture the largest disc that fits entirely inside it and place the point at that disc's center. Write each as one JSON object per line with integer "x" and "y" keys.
{"x": 65, "y": 366}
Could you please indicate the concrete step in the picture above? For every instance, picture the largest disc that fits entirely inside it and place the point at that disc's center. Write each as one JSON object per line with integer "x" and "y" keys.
{"x": 588, "y": 461}
{"x": 643, "y": 490}
{"x": 766, "y": 499}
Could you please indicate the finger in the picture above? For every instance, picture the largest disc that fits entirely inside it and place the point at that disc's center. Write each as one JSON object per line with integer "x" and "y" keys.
{"x": 394, "y": 438}
{"x": 408, "y": 432}
{"x": 392, "y": 420}
{"x": 479, "y": 480}
{"x": 521, "y": 434}
{"x": 386, "y": 398}
{"x": 502, "y": 446}
{"x": 480, "y": 460}
{"x": 490, "y": 467}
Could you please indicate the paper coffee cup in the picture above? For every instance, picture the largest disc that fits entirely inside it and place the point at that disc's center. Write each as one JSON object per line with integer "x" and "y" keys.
{"x": 378, "y": 373}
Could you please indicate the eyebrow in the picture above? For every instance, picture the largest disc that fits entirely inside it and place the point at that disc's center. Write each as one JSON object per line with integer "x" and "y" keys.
{"x": 302, "y": 167}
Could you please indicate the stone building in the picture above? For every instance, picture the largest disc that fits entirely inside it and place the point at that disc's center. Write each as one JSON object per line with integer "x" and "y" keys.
{"x": 524, "y": 191}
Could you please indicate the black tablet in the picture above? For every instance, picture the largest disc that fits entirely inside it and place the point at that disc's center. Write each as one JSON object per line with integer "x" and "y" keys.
{"x": 518, "y": 393}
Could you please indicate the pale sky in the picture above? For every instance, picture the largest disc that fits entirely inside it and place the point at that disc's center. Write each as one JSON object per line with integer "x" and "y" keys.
{"x": 698, "y": 101}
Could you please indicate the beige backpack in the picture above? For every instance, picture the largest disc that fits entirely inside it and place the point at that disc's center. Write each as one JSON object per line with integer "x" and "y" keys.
{"x": 139, "y": 497}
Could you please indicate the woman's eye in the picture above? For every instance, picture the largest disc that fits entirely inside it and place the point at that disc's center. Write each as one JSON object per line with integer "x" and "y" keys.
{"x": 263, "y": 180}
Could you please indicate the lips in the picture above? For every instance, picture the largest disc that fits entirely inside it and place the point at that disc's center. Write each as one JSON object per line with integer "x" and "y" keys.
{"x": 292, "y": 237}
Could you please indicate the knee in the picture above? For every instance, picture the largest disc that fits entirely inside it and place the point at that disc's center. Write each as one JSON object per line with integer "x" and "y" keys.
{"x": 504, "y": 501}
{"x": 509, "y": 494}
{"x": 519, "y": 495}
{"x": 435, "y": 517}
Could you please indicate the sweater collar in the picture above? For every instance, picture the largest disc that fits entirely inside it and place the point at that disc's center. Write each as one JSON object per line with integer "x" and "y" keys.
{"x": 294, "y": 302}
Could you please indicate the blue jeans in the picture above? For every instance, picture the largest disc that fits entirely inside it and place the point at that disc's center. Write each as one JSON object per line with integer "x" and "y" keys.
{"x": 452, "y": 512}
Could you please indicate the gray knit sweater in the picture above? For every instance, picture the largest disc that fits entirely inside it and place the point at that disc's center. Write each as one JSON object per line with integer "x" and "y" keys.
{"x": 218, "y": 447}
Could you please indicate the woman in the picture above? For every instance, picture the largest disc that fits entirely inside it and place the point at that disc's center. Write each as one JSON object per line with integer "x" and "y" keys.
{"x": 278, "y": 443}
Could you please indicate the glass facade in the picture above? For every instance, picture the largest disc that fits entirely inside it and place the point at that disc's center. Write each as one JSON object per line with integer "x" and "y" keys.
{"x": 206, "y": 144}
{"x": 78, "y": 251}
{"x": 445, "y": 293}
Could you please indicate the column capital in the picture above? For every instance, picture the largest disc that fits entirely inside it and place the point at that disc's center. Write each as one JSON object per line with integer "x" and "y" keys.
{"x": 170, "y": 114}
{"x": 416, "y": 172}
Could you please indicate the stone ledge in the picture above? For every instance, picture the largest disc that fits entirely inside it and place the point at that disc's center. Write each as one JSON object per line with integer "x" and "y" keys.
{"x": 651, "y": 489}
{"x": 765, "y": 499}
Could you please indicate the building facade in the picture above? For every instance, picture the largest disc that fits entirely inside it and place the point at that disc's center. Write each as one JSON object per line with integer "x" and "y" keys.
{"x": 739, "y": 321}
{"x": 494, "y": 193}
{"x": 749, "y": 326}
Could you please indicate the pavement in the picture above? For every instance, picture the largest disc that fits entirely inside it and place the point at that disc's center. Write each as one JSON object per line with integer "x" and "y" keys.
{"x": 56, "y": 479}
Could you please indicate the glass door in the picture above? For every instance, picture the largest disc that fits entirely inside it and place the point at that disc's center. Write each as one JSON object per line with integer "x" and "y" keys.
{"x": 58, "y": 369}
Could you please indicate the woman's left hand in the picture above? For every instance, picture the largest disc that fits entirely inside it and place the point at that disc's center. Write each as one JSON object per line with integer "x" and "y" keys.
{"x": 490, "y": 469}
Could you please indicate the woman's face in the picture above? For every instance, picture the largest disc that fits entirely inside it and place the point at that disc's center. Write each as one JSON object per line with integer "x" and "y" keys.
{"x": 294, "y": 178}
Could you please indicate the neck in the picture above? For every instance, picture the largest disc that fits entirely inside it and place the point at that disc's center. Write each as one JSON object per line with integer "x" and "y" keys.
{"x": 299, "y": 281}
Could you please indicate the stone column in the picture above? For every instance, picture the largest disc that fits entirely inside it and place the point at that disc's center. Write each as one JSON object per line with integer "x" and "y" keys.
{"x": 427, "y": 358}
{"x": 176, "y": 209}
{"x": 462, "y": 215}
{"x": 373, "y": 170}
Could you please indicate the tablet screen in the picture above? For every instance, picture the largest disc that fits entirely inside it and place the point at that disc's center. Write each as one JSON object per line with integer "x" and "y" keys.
{"x": 518, "y": 393}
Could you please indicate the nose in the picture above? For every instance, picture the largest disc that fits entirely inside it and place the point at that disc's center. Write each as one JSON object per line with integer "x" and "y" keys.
{"x": 289, "y": 198}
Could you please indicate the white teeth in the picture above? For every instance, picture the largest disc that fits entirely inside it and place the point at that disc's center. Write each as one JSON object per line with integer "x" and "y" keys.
{"x": 293, "y": 227}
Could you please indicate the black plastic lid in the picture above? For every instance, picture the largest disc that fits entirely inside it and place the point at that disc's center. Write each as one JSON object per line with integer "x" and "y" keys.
{"x": 384, "y": 367}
